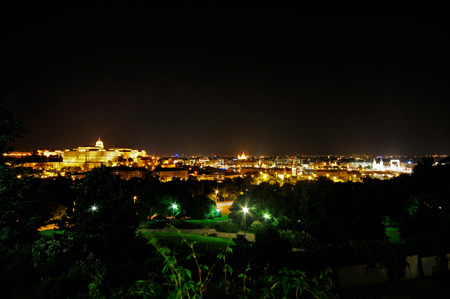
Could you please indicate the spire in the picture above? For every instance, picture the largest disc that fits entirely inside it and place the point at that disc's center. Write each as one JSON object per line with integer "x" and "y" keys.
{"x": 243, "y": 157}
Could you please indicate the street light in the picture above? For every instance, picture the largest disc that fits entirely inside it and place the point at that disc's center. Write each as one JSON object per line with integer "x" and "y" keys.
{"x": 93, "y": 208}
{"x": 266, "y": 216}
{"x": 245, "y": 210}
{"x": 174, "y": 206}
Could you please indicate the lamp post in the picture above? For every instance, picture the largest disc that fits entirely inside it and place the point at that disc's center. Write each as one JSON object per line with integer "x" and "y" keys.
{"x": 174, "y": 208}
{"x": 245, "y": 210}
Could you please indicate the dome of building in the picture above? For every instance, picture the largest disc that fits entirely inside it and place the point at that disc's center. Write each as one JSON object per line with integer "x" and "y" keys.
{"x": 99, "y": 143}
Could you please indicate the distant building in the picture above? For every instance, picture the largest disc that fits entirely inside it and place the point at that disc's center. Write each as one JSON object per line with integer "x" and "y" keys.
{"x": 242, "y": 157}
{"x": 167, "y": 174}
{"x": 89, "y": 157}
{"x": 49, "y": 153}
{"x": 377, "y": 166}
{"x": 17, "y": 154}
{"x": 127, "y": 173}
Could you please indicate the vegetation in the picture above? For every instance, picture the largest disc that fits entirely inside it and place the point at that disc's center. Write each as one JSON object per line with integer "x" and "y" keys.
{"x": 10, "y": 126}
{"x": 301, "y": 231}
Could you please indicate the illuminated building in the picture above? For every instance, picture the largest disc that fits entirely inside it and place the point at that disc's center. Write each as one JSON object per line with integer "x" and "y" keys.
{"x": 167, "y": 175}
{"x": 377, "y": 166}
{"x": 294, "y": 169}
{"x": 127, "y": 173}
{"x": 99, "y": 143}
{"x": 17, "y": 154}
{"x": 242, "y": 157}
{"x": 49, "y": 153}
{"x": 89, "y": 157}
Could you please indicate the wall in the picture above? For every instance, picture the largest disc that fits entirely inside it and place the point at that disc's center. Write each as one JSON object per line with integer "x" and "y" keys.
{"x": 362, "y": 275}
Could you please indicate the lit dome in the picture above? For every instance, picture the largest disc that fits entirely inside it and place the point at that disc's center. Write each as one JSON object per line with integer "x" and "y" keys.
{"x": 99, "y": 143}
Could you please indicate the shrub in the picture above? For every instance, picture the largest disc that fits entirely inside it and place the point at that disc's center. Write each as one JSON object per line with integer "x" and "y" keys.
{"x": 256, "y": 226}
{"x": 185, "y": 224}
{"x": 155, "y": 224}
{"x": 226, "y": 227}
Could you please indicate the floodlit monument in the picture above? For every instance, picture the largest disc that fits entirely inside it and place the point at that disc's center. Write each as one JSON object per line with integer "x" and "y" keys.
{"x": 95, "y": 156}
{"x": 242, "y": 157}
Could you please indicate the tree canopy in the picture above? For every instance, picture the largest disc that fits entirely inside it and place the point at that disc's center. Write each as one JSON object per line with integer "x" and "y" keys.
{"x": 10, "y": 125}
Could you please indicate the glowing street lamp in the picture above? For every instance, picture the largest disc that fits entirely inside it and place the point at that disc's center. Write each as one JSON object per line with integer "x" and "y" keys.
{"x": 266, "y": 216}
{"x": 245, "y": 211}
{"x": 174, "y": 206}
{"x": 94, "y": 208}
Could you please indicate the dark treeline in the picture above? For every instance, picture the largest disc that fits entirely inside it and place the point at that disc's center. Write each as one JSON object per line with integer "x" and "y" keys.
{"x": 99, "y": 216}
{"x": 346, "y": 223}
{"x": 99, "y": 254}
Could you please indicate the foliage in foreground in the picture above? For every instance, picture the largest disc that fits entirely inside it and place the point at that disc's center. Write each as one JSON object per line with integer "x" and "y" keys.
{"x": 182, "y": 281}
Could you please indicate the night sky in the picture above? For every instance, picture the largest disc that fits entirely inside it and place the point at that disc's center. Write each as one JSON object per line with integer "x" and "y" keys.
{"x": 263, "y": 80}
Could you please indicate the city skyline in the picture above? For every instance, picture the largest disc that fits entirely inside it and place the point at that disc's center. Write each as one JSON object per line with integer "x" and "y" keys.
{"x": 303, "y": 83}
{"x": 245, "y": 155}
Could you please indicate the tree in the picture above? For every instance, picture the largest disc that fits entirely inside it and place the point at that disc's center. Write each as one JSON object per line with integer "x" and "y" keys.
{"x": 23, "y": 208}
{"x": 104, "y": 206}
{"x": 10, "y": 126}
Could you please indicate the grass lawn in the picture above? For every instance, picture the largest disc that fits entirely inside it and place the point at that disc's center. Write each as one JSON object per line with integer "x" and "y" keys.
{"x": 208, "y": 223}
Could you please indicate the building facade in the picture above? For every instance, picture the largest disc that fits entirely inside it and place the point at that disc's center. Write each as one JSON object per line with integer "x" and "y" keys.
{"x": 94, "y": 156}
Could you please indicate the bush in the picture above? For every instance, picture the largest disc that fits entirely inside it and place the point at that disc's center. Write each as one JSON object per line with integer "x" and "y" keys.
{"x": 155, "y": 224}
{"x": 256, "y": 226}
{"x": 226, "y": 227}
{"x": 185, "y": 224}
{"x": 297, "y": 239}
{"x": 178, "y": 223}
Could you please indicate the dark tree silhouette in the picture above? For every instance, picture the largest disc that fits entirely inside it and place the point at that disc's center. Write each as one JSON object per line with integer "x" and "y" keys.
{"x": 10, "y": 126}
{"x": 104, "y": 206}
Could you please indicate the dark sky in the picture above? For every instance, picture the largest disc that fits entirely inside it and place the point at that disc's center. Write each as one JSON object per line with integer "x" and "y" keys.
{"x": 263, "y": 80}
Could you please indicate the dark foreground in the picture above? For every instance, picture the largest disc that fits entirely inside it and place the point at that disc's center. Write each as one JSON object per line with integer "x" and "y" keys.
{"x": 411, "y": 289}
